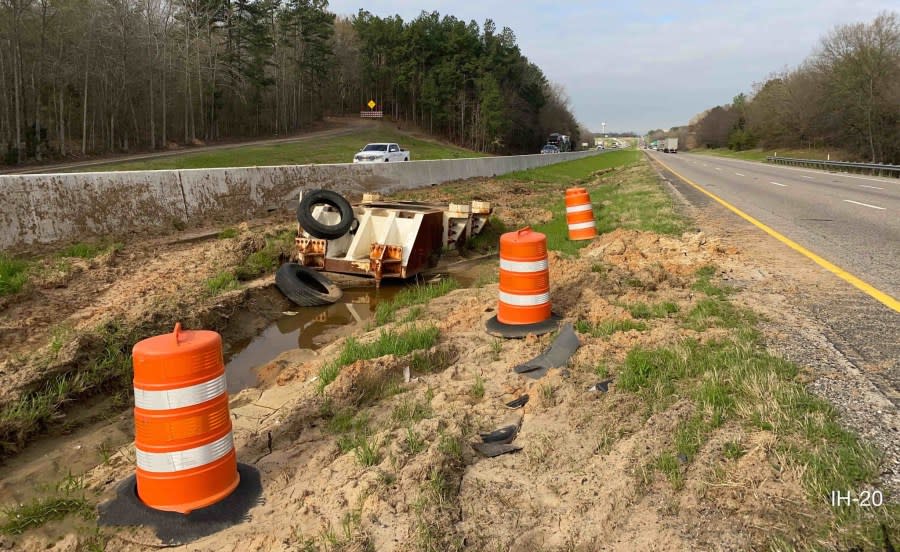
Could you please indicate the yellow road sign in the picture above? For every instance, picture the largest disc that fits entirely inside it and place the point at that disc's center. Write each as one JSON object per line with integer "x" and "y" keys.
{"x": 371, "y": 104}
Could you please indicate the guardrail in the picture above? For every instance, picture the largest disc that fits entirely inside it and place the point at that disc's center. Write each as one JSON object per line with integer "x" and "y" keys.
{"x": 842, "y": 166}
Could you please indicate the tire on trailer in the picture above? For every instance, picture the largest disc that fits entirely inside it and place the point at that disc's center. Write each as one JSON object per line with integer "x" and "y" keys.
{"x": 317, "y": 229}
{"x": 306, "y": 287}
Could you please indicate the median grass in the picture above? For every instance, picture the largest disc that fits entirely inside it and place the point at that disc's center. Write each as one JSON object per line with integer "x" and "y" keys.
{"x": 84, "y": 250}
{"x": 629, "y": 197}
{"x": 335, "y": 149}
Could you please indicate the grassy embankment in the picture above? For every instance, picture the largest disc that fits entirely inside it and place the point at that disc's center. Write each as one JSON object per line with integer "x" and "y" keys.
{"x": 336, "y": 149}
{"x": 731, "y": 379}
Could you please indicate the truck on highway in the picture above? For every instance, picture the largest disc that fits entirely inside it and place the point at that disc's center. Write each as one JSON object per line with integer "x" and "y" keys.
{"x": 382, "y": 152}
{"x": 671, "y": 145}
{"x": 563, "y": 142}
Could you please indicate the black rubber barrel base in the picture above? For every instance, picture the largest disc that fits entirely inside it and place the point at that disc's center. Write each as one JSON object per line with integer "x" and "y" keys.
{"x": 173, "y": 528}
{"x": 518, "y": 331}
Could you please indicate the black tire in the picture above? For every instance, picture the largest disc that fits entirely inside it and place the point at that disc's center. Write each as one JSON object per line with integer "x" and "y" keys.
{"x": 315, "y": 228}
{"x": 306, "y": 287}
{"x": 407, "y": 159}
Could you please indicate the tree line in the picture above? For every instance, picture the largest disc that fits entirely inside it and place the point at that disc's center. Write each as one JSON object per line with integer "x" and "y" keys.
{"x": 846, "y": 95}
{"x": 81, "y": 77}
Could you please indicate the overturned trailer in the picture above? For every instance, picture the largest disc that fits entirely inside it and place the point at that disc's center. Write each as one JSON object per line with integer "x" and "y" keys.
{"x": 381, "y": 238}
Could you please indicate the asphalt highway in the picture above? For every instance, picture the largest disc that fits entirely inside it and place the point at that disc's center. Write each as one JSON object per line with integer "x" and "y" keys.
{"x": 852, "y": 221}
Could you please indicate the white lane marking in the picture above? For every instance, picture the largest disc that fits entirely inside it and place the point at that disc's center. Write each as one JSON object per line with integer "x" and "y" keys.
{"x": 777, "y": 184}
{"x": 873, "y": 187}
{"x": 809, "y": 177}
{"x": 864, "y": 204}
{"x": 739, "y": 174}
{"x": 718, "y": 169}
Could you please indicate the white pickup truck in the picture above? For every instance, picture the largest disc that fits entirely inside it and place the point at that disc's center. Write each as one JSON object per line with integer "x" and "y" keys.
{"x": 381, "y": 153}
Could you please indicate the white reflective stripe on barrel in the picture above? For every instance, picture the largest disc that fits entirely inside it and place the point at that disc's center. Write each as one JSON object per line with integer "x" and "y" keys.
{"x": 179, "y": 398}
{"x": 579, "y": 208}
{"x": 523, "y": 266}
{"x": 524, "y": 300}
{"x": 168, "y": 462}
{"x": 581, "y": 225}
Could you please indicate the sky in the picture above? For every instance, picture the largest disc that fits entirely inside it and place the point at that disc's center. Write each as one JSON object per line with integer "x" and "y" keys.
{"x": 644, "y": 65}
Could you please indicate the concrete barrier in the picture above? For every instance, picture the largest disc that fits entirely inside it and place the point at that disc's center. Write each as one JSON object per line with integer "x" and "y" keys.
{"x": 58, "y": 208}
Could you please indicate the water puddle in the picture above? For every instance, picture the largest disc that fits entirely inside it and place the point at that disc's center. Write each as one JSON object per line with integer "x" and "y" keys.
{"x": 303, "y": 328}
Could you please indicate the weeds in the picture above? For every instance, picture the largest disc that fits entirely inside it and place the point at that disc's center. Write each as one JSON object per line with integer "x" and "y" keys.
{"x": 223, "y": 281}
{"x": 266, "y": 259}
{"x": 367, "y": 453}
{"x": 413, "y": 443}
{"x": 416, "y": 295}
{"x": 411, "y": 411}
{"x": 13, "y": 274}
{"x": 89, "y": 250}
{"x": 496, "y": 349}
{"x": 66, "y": 500}
{"x": 608, "y": 327}
{"x": 704, "y": 284}
{"x": 228, "y": 233}
{"x": 658, "y": 310}
{"x": 388, "y": 342}
{"x": 109, "y": 367}
{"x": 733, "y": 450}
{"x": 477, "y": 390}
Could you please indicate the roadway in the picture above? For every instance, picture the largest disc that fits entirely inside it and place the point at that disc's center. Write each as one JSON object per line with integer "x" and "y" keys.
{"x": 852, "y": 221}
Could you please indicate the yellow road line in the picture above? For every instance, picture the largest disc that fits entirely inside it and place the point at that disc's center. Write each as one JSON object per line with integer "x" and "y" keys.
{"x": 863, "y": 286}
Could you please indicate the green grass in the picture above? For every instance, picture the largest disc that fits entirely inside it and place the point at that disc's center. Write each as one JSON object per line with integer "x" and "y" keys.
{"x": 66, "y": 498}
{"x": 716, "y": 313}
{"x": 410, "y": 411}
{"x": 570, "y": 171}
{"x": 89, "y": 250}
{"x": 704, "y": 283}
{"x": 367, "y": 453}
{"x": 39, "y": 511}
{"x": 657, "y": 310}
{"x": 108, "y": 368}
{"x": 736, "y": 381}
{"x": 266, "y": 259}
{"x": 388, "y": 342}
{"x": 636, "y": 201}
{"x": 223, "y": 281}
{"x": 408, "y": 297}
{"x": 414, "y": 444}
{"x": 608, "y": 327}
{"x": 13, "y": 274}
{"x": 477, "y": 389}
{"x": 228, "y": 233}
{"x": 337, "y": 149}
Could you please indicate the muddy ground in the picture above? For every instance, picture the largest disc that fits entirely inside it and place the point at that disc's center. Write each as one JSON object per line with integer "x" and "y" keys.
{"x": 582, "y": 479}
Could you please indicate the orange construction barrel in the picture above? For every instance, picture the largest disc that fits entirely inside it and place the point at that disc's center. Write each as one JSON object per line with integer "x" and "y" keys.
{"x": 524, "y": 278}
{"x": 580, "y": 215}
{"x": 183, "y": 439}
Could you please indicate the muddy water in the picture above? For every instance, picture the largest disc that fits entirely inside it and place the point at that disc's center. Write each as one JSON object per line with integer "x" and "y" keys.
{"x": 302, "y": 328}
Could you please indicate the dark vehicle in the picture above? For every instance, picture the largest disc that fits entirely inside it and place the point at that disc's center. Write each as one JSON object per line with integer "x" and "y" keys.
{"x": 550, "y": 148}
{"x": 561, "y": 141}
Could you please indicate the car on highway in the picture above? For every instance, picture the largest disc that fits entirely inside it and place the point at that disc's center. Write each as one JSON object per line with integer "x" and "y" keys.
{"x": 550, "y": 148}
{"x": 381, "y": 152}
